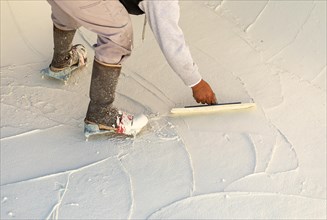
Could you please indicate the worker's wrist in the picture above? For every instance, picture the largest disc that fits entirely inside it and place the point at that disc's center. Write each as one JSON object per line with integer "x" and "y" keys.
{"x": 196, "y": 83}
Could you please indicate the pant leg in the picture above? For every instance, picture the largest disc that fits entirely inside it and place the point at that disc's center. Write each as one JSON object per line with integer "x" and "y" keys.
{"x": 61, "y": 19}
{"x": 109, "y": 20}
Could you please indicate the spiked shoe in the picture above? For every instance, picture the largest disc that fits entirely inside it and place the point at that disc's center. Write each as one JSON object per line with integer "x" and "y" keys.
{"x": 66, "y": 58}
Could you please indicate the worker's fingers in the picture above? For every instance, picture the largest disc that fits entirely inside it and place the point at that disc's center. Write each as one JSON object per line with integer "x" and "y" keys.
{"x": 203, "y": 93}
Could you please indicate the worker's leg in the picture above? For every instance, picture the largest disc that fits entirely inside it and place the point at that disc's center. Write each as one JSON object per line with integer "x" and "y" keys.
{"x": 111, "y": 22}
{"x": 108, "y": 19}
{"x": 66, "y": 57}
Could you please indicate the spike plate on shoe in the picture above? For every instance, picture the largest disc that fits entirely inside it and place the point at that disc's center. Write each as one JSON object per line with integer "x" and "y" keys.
{"x": 93, "y": 129}
{"x": 65, "y": 73}
{"x": 127, "y": 125}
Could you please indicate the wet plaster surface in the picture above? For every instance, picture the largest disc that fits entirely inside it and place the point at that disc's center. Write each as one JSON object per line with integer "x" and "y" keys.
{"x": 271, "y": 158}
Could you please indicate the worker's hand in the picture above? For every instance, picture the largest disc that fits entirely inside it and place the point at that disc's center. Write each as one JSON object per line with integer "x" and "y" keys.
{"x": 203, "y": 93}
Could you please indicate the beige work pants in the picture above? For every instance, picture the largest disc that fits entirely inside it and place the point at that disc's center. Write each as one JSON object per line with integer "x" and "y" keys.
{"x": 108, "y": 19}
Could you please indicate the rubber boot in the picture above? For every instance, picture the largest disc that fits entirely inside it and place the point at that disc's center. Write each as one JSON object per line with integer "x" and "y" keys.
{"x": 66, "y": 58}
{"x": 62, "y": 46}
{"x": 101, "y": 115}
{"x": 102, "y": 94}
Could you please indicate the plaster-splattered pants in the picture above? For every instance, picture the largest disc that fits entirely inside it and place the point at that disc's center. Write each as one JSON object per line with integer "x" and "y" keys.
{"x": 108, "y": 19}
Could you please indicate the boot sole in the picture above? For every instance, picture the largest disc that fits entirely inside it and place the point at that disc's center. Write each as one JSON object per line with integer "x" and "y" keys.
{"x": 93, "y": 129}
{"x": 62, "y": 75}
{"x": 65, "y": 73}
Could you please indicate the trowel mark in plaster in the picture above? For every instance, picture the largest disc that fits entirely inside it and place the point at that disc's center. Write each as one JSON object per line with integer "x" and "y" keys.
{"x": 279, "y": 141}
{"x": 38, "y": 87}
{"x": 29, "y": 133}
{"x": 226, "y": 188}
{"x": 232, "y": 200}
{"x": 283, "y": 154}
{"x": 168, "y": 205}
{"x": 27, "y": 42}
{"x": 54, "y": 213}
{"x": 177, "y": 144}
{"x": 159, "y": 129}
{"x": 283, "y": 72}
{"x": 247, "y": 29}
{"x": 26, "y": 65}
{"x": 289, "y": 182}
{"x": 216, "y": 5}
{"x": 255, "y": 159}
{"x": 316, "y": 78}
{"x": 33, "y": 113}
{"x": 263, "y": 152}
{"x": 150, "y": 87}
{"x": 191, "y": 167}
{"x": 322, "y": 71}
{"x": 296, "y": 35}
{"x": 250, "y": 164}
{"x": 263, "y": 110}
{"x": 280, "y": 136}
{"x": 60, "y": 173}
{"x": 56, "y": 123}
{"x": 131, "y": 100}
{"x": 131, "y": 185}
{"x": 190, "y": 161}
{"x": 267, "y": 88}
{"x": 165, "y": 132}
{"x": 185, "y": 125}
{"x": 241, "y": 36}
{"x": 29, "y": 102}
{"x": 222, "y": 2}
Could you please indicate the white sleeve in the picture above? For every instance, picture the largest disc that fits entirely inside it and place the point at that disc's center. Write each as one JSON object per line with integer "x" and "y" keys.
{"x": 163, "y": 18}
